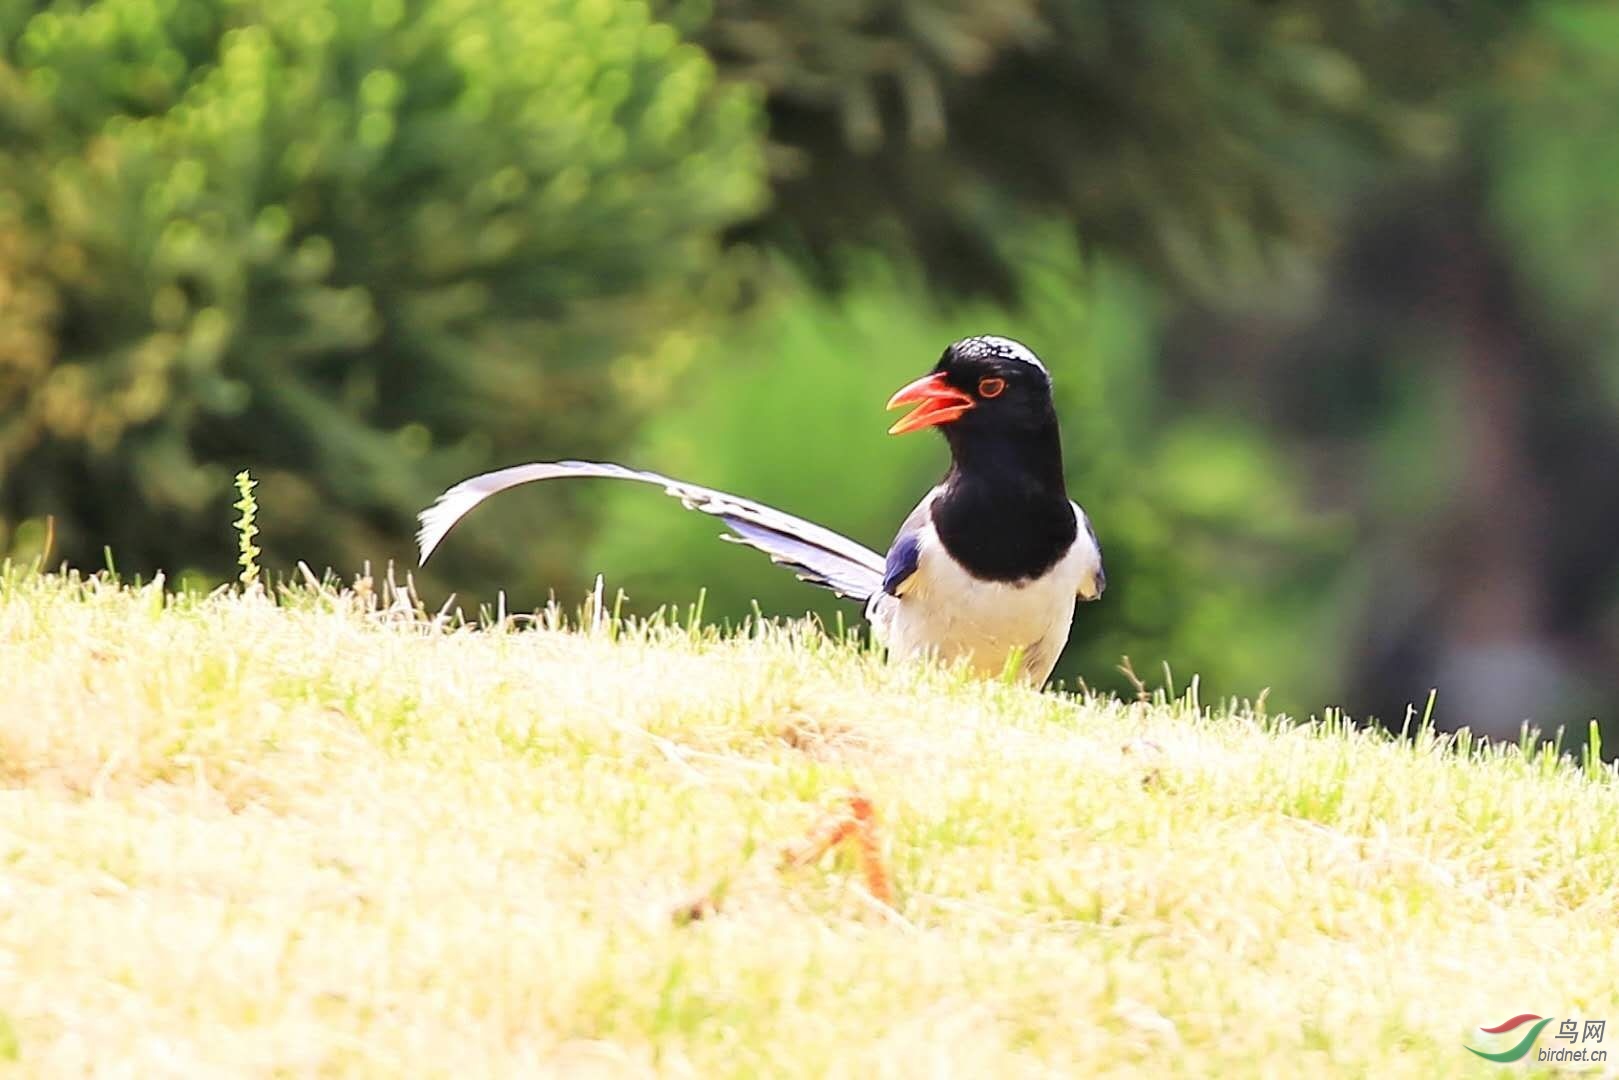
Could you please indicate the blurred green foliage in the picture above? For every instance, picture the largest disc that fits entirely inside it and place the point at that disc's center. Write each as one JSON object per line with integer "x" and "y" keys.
{"x": 1214, "y": 567}
{"x": 1548, "y": 124}
{"x": 358, "y": 247}
{"x": 1200, "y": 140}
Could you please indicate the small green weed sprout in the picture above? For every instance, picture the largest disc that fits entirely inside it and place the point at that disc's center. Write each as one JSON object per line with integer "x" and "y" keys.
{"x": 247, "y": 527}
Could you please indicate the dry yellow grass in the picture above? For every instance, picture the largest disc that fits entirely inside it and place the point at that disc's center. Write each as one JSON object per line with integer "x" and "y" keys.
{"x": 320, "y": 837}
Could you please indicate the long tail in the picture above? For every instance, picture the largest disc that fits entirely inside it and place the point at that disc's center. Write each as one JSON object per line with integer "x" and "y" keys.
{"x": 817, "y": 555}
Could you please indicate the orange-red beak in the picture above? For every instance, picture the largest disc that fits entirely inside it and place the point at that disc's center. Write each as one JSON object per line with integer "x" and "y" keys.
{"x": 940, "y": 403}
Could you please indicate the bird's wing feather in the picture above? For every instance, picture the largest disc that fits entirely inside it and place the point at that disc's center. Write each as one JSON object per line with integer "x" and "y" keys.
{"x": 905, "y": 553}
{"x": 818, "y": 555}
{"x": 1093, "y": 586}
{"x": 903, "y": 558}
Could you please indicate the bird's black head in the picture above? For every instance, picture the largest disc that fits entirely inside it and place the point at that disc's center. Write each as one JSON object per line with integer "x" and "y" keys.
{"x": 1002, "y": 512}
{"x": 982, "y": 387}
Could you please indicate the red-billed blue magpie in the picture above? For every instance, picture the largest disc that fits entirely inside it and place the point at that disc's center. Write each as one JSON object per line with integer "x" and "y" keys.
{"x": 987, "y": 567}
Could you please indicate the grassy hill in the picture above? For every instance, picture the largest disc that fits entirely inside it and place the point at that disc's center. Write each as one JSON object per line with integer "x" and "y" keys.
{"x": 331, "y": 835}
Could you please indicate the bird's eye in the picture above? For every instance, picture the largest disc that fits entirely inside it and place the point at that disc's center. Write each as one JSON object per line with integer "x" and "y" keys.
{"x": 991, "y": 387}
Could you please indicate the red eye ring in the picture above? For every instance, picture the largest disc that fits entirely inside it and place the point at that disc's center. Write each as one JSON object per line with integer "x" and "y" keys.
{"x": 991, "y": 387}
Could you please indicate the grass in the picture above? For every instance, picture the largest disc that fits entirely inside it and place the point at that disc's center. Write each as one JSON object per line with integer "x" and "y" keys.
{"x": 326, "y": 834}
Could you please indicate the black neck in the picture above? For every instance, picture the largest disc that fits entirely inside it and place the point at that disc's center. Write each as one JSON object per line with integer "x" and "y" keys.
{"x": 1004, "y": 512}
{"x": 1026, "y": 457}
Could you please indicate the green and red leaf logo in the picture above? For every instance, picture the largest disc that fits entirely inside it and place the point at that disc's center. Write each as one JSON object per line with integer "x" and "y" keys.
{"x": 1524, "y": 1045}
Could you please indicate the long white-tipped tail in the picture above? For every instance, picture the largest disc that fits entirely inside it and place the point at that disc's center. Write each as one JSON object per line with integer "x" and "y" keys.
{"x": 818, "y": 555}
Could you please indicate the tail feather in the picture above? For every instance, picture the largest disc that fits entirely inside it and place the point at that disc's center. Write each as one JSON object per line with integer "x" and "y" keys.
{"x": 816, "y": 554}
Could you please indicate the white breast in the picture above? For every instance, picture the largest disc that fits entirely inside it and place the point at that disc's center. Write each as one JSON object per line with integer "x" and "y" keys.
{"x": 945, "y": 611}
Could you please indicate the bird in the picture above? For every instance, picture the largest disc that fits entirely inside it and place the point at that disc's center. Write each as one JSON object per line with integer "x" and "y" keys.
{"x": 986, "y": 570}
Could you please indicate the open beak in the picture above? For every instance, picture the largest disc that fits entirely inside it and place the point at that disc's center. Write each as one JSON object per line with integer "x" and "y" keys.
{"x": 937, "y": 403}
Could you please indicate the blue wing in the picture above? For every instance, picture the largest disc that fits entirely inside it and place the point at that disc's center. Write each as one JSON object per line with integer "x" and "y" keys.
{"x": 906, "y": 551}
{"x": 901, "y": 562}
{"x": 1099, "y": 582}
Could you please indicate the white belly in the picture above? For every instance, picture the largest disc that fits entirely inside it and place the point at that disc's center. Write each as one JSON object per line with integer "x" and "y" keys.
{"x": 945, "y": 612}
